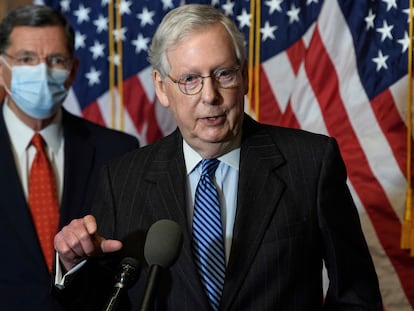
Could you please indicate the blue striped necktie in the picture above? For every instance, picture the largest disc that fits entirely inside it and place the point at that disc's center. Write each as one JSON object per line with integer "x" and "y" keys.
{"x": 208, "y": 234}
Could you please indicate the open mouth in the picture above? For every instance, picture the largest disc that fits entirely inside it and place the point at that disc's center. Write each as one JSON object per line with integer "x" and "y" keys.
{"x": 214, "y": 120}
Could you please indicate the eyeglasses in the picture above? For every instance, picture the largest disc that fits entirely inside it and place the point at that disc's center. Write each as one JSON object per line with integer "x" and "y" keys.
{"x": 191, "y": 84}
{"x": 31, "y": 59}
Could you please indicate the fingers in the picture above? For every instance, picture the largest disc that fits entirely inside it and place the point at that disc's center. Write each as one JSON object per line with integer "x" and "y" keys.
{"x": 79, "y": 240}
{"x": 109, "y": 246}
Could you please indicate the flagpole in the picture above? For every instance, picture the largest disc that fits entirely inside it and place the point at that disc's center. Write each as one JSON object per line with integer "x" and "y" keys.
{"x": 251, "y": 56}
{"x": 257, "y": 61}
{"x": 120, "y": 74}
{"x": 407, "y": 230}
{"x": 111, "y": 62}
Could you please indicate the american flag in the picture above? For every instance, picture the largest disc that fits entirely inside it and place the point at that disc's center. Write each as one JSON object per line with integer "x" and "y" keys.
{"x": 337, "y": 67}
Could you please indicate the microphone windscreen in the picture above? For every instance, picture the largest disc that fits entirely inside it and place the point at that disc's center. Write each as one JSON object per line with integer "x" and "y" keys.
{"x": 131, "y": 261}
{"x": 128, "y": 271}
{"x": 163, "y": 243}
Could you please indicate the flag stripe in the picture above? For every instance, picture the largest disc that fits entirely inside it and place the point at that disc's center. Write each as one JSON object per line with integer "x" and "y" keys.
{"x": 93, "y": 113}
{"x": 392, "y": 126}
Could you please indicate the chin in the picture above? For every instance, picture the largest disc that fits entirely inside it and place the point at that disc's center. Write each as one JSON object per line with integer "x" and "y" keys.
{"x": 216, "y": 139}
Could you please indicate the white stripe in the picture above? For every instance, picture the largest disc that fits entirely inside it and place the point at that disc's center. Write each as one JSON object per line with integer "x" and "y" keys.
{"x": 400, "y": 95}
{"x": 165, "y": 119}
{"x": 282, "y": 80}
{"x": 71, "y": 103}
{"x": 305, "y": 105}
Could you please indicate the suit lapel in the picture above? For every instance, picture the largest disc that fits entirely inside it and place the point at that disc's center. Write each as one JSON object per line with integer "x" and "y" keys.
{"x": 259, "y": 191}
{"x": 168, "y": 172}
{"x": 15, "y": 210}
{"x": 78, "y": 161}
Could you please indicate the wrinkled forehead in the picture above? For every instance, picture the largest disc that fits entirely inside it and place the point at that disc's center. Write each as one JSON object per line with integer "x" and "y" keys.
{"x": 43, "y": 40}
{"x": 212, "y": 41}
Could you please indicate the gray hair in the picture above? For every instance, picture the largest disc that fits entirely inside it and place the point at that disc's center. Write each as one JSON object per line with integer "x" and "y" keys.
{"x": 182, "y": 22}
{"x": 34, "y": 16}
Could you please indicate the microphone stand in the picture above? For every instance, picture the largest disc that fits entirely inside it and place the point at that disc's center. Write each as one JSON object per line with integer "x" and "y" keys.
{"x": 152, "y": 282}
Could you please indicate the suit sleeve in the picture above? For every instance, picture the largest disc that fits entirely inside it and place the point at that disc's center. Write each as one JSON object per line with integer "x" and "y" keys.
{"x": 353, "y": 283}
{"x": 91, "y": 285}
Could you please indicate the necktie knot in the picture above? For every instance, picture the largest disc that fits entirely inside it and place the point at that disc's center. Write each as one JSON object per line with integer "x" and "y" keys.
{"x": 38, "y": 142}
{"x": 209, "y": 166}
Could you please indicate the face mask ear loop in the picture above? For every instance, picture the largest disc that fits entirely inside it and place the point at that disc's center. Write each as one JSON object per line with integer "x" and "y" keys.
{"x": 10, "y": 68}
{"x": 5, "y": 62}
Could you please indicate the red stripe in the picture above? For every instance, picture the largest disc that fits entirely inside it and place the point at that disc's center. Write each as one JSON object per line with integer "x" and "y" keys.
{"x": 296, "y": 54}
{"x": 392, "y": 126}
{"x": 141, "y": 110}
{"x": 92, "y": 112}
{"x": 270, "y": 112}
{"x": 324, "y": 81}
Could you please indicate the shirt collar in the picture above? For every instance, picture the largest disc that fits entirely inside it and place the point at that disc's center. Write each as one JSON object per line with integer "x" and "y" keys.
{"x": 192, "y": 158}
{"x": 20, "y": 134}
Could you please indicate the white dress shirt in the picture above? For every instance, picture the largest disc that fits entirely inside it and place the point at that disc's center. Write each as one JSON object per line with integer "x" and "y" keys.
{"x": 20, "y": 136}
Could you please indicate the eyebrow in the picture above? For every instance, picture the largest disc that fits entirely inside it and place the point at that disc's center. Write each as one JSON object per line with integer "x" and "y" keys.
{"x": 28, "y": 52}
{"x": 221, "y": 67}
{"x": 25, "y": 52}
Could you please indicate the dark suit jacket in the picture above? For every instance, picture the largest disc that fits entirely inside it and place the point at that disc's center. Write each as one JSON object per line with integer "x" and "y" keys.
{"x": 25, "y": 282}
{"x": 294, "y": 210}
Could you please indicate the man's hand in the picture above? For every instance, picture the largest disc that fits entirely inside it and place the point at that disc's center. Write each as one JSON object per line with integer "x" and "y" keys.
{"x": 80, "y": 240}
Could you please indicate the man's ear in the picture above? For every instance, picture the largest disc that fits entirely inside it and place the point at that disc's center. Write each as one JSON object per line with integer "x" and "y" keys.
{"x": 72, "y": 74}
{"x": 3, "y": 73}
{"x": 245, "y": 77}
{"x": 160, "y": 88}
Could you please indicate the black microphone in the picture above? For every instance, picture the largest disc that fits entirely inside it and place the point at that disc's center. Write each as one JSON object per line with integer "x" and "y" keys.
{"x": 125, "y": 278}
{"x": 162, "y": 246}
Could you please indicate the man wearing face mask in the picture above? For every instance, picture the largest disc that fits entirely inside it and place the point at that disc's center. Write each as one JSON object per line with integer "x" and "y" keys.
{"x": 49, "y": 159}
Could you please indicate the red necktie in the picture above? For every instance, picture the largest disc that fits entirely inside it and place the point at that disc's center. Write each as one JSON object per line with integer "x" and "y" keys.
{"x": 43, "y": 199}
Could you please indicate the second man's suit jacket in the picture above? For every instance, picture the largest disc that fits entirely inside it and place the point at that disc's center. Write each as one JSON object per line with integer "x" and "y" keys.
{"x": 294, "y": 210}
{"x": 25, "y": 282}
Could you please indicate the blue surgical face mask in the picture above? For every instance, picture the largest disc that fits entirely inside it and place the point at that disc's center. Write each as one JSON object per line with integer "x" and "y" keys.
{"x": 38, "y": 90}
